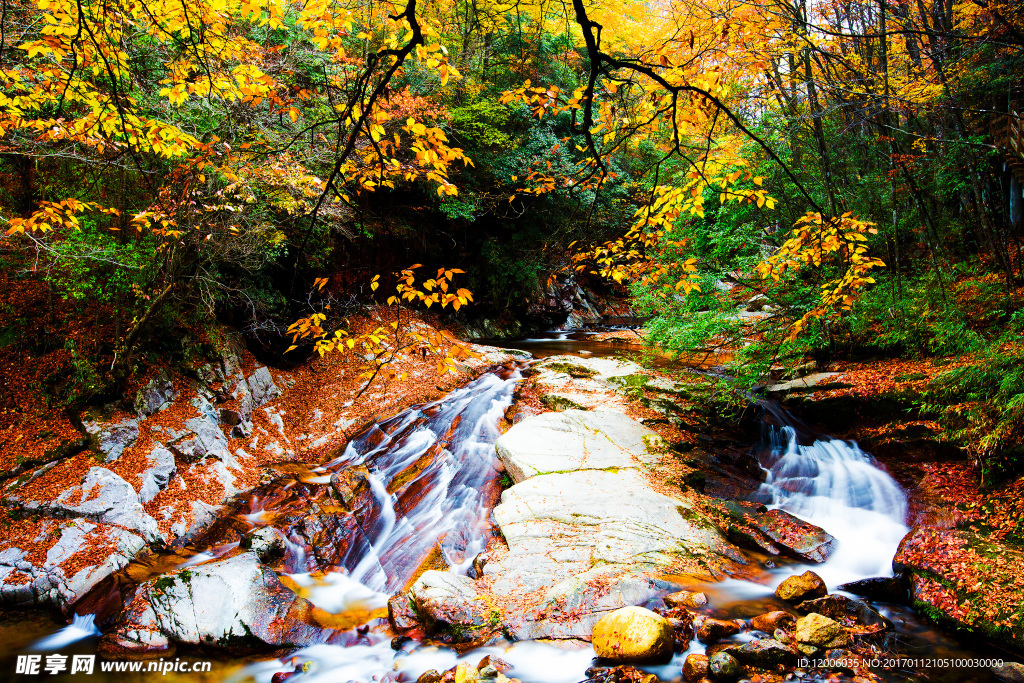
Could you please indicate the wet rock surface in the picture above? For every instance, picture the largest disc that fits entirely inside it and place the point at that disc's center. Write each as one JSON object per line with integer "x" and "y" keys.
{"x": 777, "y": 532}
{"x": 237, "y": 604}
{"x": 806, "y": 586}
{"x": 633, "y": 634}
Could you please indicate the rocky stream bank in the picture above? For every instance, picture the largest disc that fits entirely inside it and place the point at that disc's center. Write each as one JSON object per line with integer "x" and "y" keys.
{"x": 629, "y": 522}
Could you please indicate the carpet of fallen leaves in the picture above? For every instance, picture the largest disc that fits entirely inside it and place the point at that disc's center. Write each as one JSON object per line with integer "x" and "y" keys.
{"x": 966, "y": 576}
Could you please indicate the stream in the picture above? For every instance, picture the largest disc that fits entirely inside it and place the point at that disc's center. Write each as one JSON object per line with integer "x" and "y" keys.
{"x": 423, "y": 483}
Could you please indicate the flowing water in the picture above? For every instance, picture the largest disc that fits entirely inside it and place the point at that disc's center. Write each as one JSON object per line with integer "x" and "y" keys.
{"x": 425, "y": 481}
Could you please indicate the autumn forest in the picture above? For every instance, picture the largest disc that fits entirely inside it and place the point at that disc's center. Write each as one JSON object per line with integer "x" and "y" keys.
{"x": 238, "y": 238}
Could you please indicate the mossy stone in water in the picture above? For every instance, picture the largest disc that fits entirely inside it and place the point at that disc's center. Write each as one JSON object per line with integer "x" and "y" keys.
{"x": 633, "y": 634}
{"x": 724, "y": 667}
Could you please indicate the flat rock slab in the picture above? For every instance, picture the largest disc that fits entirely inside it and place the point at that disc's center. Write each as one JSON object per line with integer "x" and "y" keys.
{"x": 803, "y": 383}
{"x": 602, "y": 368}
{"x": 574, "y": 440}
{"x": 561, "y": 525}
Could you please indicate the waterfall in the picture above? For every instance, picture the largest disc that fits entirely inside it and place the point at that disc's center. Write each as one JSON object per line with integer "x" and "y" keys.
{"x": 837, "y": 486}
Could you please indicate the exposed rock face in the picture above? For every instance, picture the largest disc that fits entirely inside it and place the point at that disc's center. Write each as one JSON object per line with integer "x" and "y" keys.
{"x": 156, "y": 478}
{"x": 806, "y": 383}
{"x": 155, "y": 395}
{"x": 821, "y": 632}
{"x": 23, "y": 583}
{"x": 572, "y": 607}
{"x": 449, "y": 604}
{"x": 101, "y": 497}
{"x": 574, "y": 440}
{"x": 204, "y": 439}
{"x": 262, "y": 387}
{"x": 111, "y": 438}
{"x": 806, "y": 586}
{"x": 265, "y": 542}
{"x": 633, "y": 634}
{"x": 559, "y": 525}
{"x": 237, "y": 604}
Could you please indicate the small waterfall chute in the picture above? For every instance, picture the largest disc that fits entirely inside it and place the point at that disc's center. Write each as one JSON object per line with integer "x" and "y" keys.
{"x": 82, "y": 626}
{"x": 837, "y": 486}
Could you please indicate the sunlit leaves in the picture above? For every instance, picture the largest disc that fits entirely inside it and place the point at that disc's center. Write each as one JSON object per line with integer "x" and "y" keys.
{"x": 816, "y": 241}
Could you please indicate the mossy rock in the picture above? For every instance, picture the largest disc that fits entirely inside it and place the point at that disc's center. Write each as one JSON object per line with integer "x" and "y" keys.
{"x": 560, "y": 403}
{"x": 571, "y": 369}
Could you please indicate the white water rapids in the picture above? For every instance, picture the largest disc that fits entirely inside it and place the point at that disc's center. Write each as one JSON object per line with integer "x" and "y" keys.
{"x": 837, "y": 486}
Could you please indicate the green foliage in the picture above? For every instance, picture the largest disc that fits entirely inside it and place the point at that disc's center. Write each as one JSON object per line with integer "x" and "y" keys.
{"x": 984, "y": 403}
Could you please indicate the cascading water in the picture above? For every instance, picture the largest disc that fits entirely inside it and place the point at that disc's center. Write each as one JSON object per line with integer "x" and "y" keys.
{"x": 837, "y": 486}
{"x": 449, "y": 448}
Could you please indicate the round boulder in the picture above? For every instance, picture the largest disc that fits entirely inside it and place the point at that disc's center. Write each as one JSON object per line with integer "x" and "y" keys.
{"x": 633, "y": 634}
{"x": 690, "y": 599}
{"x": 695, "y": 667}
{"x": 772, "y": 621}
{"x": 806, "y": 586}
{"x": 724, "y": 667}
{"x": 819, "y": 631}
{"x": 711, "y": 631}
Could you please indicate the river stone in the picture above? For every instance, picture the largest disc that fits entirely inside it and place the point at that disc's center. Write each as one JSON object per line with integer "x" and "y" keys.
{"x": 574, "y": 440}
{"x": 112, "y": 438}
{"x": 841, "y": 607}
{"x": 1011, "y": 672}
{"x": 237, "y": 604}
{"x": 772, "y": 621}
{"x": 820, "y": 631}
{"x": 449, "y": 604}
{"x": 156, "y": 477}
{"x": 831, "y": 606}
{"x": 882, "y": 589}
{"x": 778, "y": 532}
{"x": 633, "y": 634}
{"x": 710, "y": 631}
{"x": 691, "y": 599}
{"x": 722, "y": 666}
{"x": 764, "y": 653}
{"x": 402, "y": 612}
{"x": 806, "y": 586}
{"x": 695, "y": 667}
{"x": 560, "y": 525}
